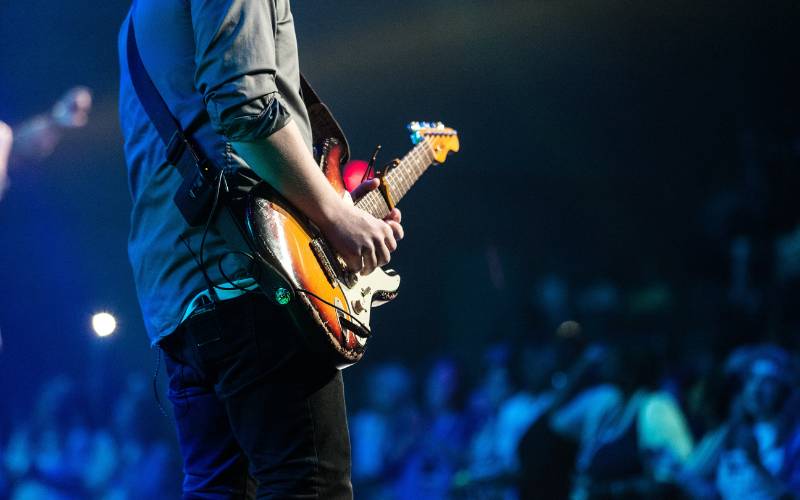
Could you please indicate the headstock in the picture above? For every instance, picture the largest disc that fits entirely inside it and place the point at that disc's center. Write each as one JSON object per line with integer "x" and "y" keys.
{"x": 442, "y": 139}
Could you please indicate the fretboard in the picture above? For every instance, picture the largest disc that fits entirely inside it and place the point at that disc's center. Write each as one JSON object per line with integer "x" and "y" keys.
{"x": 399, "y": 179}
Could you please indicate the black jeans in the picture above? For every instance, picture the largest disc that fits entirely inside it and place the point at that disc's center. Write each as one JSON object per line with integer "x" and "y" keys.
{"x": 254, "y": 409}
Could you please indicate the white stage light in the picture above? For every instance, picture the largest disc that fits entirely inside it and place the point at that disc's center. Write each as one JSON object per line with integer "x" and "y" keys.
{"x": 104, "y": 324}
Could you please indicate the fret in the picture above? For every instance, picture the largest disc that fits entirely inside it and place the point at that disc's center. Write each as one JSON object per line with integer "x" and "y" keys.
{"x": 399, "y": 179}
{"x": 411, "y": 167}
{"x": 374, "y": 204}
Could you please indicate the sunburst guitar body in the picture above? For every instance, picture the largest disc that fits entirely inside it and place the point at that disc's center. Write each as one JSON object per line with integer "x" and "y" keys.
{"x": 331, "y": 305}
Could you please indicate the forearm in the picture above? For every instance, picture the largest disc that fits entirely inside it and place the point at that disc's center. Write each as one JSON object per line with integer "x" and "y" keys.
{"x": 283, "y": 160}
{"x": 6, "y": 139}
{"x": 36, "y": 137}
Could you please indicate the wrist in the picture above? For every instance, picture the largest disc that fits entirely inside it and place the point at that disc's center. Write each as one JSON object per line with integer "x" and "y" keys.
{"x": 331, "y": 213}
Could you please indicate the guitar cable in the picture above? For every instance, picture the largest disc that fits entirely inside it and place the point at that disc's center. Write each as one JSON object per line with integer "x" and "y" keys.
{"x": 156, "y": 371}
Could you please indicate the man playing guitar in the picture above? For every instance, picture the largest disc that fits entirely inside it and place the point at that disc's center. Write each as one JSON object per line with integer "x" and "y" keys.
{"x": 254, "y": 407}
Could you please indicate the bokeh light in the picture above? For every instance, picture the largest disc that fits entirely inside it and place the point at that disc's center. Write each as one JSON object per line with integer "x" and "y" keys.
{"x": 104, "y": 324}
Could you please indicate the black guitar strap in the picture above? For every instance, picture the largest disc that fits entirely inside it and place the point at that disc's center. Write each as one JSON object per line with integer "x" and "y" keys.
{"x": 196, "y": 195}
{"x": 323, "y": 124}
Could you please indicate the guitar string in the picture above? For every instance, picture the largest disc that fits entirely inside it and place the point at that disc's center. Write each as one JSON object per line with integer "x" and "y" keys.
{"x": 412, "y": 156}
{"x": 421, "y": 160}
{"x": 404, "y": 183}
{"x": 400, "y": 173}
{"x": 401, "y": 180}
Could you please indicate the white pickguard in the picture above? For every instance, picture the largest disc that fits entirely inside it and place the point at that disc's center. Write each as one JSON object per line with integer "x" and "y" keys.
{"x": 361, "y": 296}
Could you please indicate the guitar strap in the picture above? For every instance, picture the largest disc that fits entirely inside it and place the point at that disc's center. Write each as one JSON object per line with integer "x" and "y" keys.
{"x": 196, "y": 195}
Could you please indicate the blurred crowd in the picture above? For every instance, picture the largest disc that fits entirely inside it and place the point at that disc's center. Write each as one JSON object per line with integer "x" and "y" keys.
{"x": 583, "y": 420}
{"x": 568, "y": 418}
{"x": 67, "y": 448}
{"x": 677, "y": 380}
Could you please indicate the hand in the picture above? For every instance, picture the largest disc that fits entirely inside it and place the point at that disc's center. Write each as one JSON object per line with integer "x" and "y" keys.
{"x": 72, "y": 110}
{"x": 393, "y": 219}
{"x": 37, "y": 137}
{"x": 363, "y": 241}
{"x": 6, "y": 140}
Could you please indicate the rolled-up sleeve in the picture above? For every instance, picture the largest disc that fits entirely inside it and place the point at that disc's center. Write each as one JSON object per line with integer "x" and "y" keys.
{"x": 236, "y": 66}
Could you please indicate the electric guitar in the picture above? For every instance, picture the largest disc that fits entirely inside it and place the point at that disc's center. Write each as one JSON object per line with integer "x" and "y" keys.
{"x": 330, "y": 304}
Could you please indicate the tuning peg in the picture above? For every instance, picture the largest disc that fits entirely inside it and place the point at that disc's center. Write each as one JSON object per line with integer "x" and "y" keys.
{"x": 416, "y": 136}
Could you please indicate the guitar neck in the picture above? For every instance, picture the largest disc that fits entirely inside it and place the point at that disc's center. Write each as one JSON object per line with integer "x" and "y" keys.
{"x": 399, "y": 179}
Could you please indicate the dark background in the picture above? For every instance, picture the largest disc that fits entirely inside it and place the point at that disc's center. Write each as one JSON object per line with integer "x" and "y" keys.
{"x": 593, "y": 135}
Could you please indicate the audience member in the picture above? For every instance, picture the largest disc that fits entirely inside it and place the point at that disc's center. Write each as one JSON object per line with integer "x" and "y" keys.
{"x": 549, "y": 447}
{"x": 382, "y": 433}
{"x": 637, "y": 446}
{"x": 755, "y": 453}
{"x": 438, "y": 453}
{"x": 37, "y": 137}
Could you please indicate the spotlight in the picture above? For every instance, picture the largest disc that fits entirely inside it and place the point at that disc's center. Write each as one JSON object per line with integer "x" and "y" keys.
{"x": 353, "y": 172}
{"x": 103, "y": 324}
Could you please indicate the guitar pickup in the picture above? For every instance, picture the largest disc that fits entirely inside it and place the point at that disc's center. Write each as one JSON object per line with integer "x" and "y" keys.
{"x": 322, "y": 257}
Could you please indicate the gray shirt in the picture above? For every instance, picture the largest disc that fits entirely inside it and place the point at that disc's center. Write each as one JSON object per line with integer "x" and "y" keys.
{"x": 235, "y": 60}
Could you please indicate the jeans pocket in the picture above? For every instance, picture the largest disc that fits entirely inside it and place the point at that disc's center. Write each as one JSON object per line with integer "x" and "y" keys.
{"x": 263, "y": 342}
{"x": 182, "y": 378}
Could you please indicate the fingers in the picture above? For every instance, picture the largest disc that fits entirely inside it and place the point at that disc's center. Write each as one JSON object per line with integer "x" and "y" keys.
{"x": 383, "y": 254}
{"x": 393, "y": 219}
{"x": 394, "y": 215}
{"x": 387, "y": 246}
{"x": 355, "y": 263}
{"x": 391, "y": 244}
{"x": 380, "y": 253}
{"x": 72, "y": 110}
{"x": 370, "y": 261}
{"x": 81, "y": 97}
{"x": 364, "y": 242}
{"x": 364, "y": 188}
{"x": 388, "y": 241}
{"x": 397, "y": 230}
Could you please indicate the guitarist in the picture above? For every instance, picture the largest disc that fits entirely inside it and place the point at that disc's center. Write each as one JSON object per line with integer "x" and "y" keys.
{"x": 254, "y": 409}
